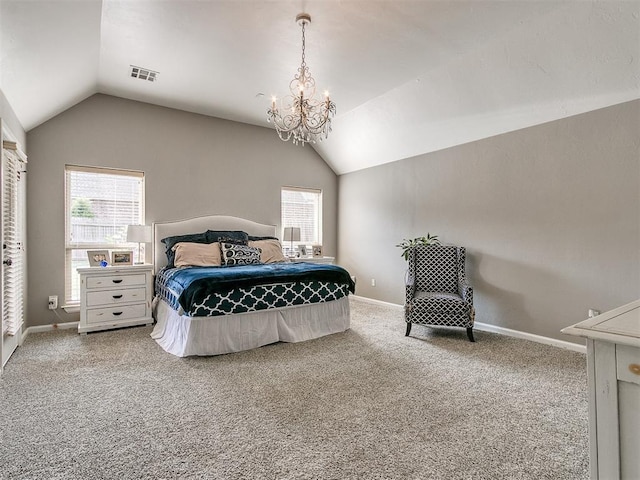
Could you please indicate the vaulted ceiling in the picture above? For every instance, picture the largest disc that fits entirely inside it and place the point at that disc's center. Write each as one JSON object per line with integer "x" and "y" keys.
{"x": 408, "y": 77}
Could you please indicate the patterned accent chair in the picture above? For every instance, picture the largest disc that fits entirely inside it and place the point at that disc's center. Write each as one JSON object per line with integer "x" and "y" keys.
{"x": 437, "y": 291}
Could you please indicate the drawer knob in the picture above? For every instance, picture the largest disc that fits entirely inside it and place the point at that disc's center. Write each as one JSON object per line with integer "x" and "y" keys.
{"x": 117, "y": 296}
{"x": 117, "y": 313}
{"x": 634, "y": 368}
{"x": 117, "y": 281}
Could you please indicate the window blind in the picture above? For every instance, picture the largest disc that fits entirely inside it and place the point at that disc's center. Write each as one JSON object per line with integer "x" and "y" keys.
{"x": 302, "y": 207}
{"x": 13, "y": 244}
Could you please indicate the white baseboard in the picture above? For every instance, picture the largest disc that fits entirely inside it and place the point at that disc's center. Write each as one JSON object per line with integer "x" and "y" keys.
{"x": 485, "y": 327}
{"x": 48, "y": 328}
{"x": 375, "y": 302}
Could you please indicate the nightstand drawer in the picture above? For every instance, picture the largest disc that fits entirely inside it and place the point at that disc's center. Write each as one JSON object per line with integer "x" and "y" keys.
{"x": 111, "y": 314}
{"x": 116, "y": 281}
{"x": 112, "y": 297}
{"x": 628, "y": 364}
{"x": 326, "y": 260}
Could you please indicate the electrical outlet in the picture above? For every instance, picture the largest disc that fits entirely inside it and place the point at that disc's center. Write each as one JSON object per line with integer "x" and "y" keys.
{"x": 373, "y": 282}
{"x": 593, "y": 312}
{"x": 53, "y": 302}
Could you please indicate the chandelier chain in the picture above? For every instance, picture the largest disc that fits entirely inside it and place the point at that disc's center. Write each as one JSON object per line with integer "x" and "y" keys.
{"x": 303, "y": 45}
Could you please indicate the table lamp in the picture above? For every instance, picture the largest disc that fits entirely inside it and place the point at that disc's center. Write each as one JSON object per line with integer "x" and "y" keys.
{"x": 139, "y": 234}
{"x": 291, "y": 234}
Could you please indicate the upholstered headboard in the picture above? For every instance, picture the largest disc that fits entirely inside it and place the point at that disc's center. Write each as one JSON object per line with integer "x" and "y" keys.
{"x": 201, "y": 224}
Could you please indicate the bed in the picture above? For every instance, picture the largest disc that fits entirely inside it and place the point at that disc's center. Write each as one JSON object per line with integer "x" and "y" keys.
{"x": 204, "y": 310}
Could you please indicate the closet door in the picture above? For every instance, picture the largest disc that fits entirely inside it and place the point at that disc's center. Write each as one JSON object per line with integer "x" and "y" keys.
{"x": 13, "y": 252}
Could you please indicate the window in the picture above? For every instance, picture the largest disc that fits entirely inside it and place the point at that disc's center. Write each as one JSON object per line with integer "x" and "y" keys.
{"x": 100, "y": 204}
{"x": 302, "y": 207}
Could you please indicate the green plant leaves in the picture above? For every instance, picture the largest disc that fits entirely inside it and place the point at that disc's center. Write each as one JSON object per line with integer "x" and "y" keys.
{"x": 407, "y": 244}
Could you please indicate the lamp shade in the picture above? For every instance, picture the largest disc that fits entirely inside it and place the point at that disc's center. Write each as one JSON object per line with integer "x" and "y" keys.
{"x": 139, "y": 233}
{"x": 291, "y": 234}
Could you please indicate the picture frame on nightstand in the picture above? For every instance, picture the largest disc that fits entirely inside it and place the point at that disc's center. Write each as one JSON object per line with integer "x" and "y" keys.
{"x": 123, "y": 257}
{"x": 97, "y": 257}
{"x": 302, "y": 250}
{"x": 317, "y": 250}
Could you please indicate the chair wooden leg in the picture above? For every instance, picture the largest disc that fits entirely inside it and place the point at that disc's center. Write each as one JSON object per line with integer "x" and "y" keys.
{"x": 470, "y": 334}
{"x": 408, "y": 329}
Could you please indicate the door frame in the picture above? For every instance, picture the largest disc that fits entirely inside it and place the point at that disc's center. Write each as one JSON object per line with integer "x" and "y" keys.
{"x": 10, "y": 343}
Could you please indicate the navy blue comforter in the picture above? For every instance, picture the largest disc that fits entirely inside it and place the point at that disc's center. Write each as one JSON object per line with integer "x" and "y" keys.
{"x": 193, "y": 284}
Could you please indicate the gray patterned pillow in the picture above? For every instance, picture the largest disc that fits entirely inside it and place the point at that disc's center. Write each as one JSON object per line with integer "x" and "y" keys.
{"x": 234, "y": 254}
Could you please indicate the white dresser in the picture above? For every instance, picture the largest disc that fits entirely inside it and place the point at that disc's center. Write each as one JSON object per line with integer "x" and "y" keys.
{"x": 114, "y": 297}
{"x": 613, "y": 363}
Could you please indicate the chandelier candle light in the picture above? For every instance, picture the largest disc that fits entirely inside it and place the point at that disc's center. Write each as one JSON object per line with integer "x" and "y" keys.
{"x": 305, "y": 119}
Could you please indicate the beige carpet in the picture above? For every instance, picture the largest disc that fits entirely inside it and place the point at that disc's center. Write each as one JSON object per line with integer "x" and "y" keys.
{"x": 369, "y": 403}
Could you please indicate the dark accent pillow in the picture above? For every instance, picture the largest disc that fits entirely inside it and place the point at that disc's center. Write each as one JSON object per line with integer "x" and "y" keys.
{"x": 236, "y": 241}
{"x": 234, "y": 254}
{"x": 169, "y": 242}
{"x": 230, "y": 236}
{"x": 253, "y": 238}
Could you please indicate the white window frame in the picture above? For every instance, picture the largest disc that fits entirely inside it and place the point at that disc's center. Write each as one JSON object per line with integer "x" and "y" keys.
{"x": 71, "y": 246}
{"x": 292, "y": 223}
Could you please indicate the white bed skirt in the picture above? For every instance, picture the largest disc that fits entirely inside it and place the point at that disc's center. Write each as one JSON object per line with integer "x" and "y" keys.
{"x": 183, "y": 336}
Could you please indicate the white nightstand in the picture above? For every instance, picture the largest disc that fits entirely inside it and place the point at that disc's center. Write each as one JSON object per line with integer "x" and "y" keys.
{"x": 114, "y": 297}
{"x": 328, "y": 260}
{"x": 613, "y": 364}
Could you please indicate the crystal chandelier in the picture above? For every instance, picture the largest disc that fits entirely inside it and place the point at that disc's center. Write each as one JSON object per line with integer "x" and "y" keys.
{"x": 303, "y": 117}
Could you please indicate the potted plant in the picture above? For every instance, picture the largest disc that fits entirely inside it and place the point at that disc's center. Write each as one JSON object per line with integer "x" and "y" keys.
{"x": 407, "y": 245}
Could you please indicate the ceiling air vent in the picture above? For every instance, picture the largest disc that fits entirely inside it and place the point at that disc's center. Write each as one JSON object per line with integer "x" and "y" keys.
{"x": 143, "y": 73}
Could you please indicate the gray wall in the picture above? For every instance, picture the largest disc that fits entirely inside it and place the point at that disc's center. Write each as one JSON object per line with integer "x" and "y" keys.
{"x": 550, "y": 216}
{"x": 10, "y": 121}
{"x": 194, "y": 165}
